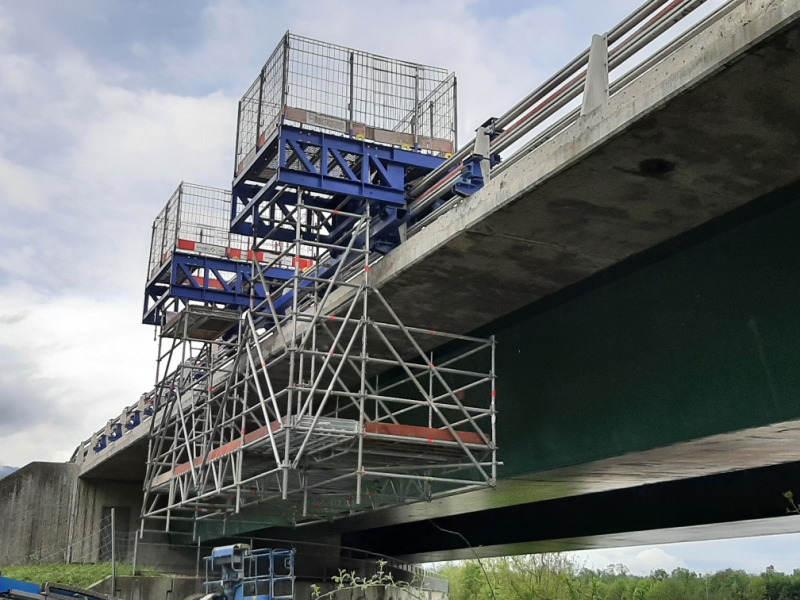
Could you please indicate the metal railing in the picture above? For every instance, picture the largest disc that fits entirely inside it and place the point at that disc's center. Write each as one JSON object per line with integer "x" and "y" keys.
{"x": 193, "y": 213}
{"x": 632, "y": 35}
{"x": 198, "y": 217}
{"x": 340, "y": 89}
{"x": 644, "y": 26}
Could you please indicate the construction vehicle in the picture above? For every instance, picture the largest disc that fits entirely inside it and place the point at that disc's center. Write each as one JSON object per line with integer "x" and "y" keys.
{"x": 238, "y": 573}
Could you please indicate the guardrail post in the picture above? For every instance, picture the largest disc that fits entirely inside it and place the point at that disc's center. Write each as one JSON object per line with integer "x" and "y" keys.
{"x": 595, "y": 92}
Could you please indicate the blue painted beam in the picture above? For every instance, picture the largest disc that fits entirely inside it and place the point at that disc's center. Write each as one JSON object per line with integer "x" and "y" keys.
{"x": 208, "y": 280}
{"x": 334, "y": 165}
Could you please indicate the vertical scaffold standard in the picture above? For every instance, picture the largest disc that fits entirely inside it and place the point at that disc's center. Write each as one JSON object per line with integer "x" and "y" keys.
{"x": 285, "y": 379}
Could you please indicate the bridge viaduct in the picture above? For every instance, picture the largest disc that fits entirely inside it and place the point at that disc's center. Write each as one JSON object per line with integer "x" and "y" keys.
{"x": 641, "y": 273}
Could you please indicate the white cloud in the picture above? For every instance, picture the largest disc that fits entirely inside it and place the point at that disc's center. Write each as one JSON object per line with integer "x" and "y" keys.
{"x": 752, "y": 555}
{"x": 639, "y": 561}
{"x": 90, "y": 150}
{"x": 75, "y": 214}
{"x": 69, "y": 363}
{"x": 6, "y": 27}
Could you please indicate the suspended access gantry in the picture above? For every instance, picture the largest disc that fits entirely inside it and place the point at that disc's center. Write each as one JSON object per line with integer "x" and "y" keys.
{"x": 285, "y": 379}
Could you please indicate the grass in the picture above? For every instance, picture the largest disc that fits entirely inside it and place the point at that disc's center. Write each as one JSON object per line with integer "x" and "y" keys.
{"x": 81, "y": 576}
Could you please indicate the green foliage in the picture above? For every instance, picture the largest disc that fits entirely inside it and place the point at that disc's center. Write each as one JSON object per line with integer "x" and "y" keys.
{"x": 349, "y": 582}
{"x": 793, "y": 507}
{"x": 555, "y": 577}
{"x": 80, "y": 576}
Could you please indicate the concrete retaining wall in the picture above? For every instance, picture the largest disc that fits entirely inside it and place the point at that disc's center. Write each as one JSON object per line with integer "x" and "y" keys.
{"x": 35, "y": 507}
{"x": 152, "y": 588}
{"x": 50, "y": 515}
{"x": 186, "y": 588}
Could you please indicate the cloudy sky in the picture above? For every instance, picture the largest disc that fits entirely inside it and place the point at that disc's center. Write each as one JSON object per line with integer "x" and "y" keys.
{"x": 105, "y": 106}
{"x": 750, "y": 554}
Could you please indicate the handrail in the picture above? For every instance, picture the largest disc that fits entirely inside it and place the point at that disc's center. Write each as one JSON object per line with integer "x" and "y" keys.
{"x": 642, "y": 27}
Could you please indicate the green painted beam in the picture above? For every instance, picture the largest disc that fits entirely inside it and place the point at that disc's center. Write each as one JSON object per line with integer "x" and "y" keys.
{"x": 704, "y": 341}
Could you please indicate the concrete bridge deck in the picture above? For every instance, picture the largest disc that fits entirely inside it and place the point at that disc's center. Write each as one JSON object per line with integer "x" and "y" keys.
{"x": 692, "y": 145}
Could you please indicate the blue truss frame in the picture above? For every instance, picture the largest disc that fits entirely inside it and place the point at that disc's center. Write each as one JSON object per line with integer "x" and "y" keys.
{"x": 178, "y": 278}
{"x": 306, "y": 160}
{"x": 347, "y": 173}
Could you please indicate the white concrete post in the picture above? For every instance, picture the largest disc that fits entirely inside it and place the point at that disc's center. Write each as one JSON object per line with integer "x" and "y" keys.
{"x": 595, "y": 93}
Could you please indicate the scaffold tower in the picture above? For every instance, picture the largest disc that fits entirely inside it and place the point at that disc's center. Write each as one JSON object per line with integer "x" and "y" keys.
{"x": 285, "y": 379}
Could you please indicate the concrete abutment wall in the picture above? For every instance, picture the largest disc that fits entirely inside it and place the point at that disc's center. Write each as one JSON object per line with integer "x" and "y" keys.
{"x": 50, "y": 515}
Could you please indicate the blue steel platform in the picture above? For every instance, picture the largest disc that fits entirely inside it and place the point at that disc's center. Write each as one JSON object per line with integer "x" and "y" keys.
{"x": 341, "y": 173}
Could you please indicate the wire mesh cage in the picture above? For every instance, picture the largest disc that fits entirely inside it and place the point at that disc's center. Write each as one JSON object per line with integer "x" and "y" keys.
{"x": 339, "y": 89}
{"x": 164, "y": 238}
{"x": 196, "y": 219}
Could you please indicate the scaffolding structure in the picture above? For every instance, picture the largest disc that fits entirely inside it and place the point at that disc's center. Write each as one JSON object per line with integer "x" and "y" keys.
{"x": 325, "y": 405}
{"x": 285, "y": 379}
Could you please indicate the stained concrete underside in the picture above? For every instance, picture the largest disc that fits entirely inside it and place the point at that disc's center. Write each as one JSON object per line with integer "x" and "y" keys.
{"x": 707, "y": 131}
{"x": 710, "y": 129}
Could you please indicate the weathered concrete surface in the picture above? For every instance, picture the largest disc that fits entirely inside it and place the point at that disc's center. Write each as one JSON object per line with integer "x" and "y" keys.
{"x": 736, "y": 451}
{"x": 151, "y": 588}
{"x": 35, "y": 507}
{"x": 48, "y": 514}
{"x": 707, "y": 130}
{"x": 122, "y": 460}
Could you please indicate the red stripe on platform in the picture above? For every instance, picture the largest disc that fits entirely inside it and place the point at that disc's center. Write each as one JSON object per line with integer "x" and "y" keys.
{"x": 424, "y": 433}
{"x": 213, "y": 284}
{"x": 428, "y": 434}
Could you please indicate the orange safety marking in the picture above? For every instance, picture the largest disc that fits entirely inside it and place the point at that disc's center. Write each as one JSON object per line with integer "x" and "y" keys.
{"x": 426, "y": 433}
{"x": 412, "y": 431}
{"x": 303, "y": 263}
{"x": 212, "y": 283}
{"x": 232, "y": 253}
